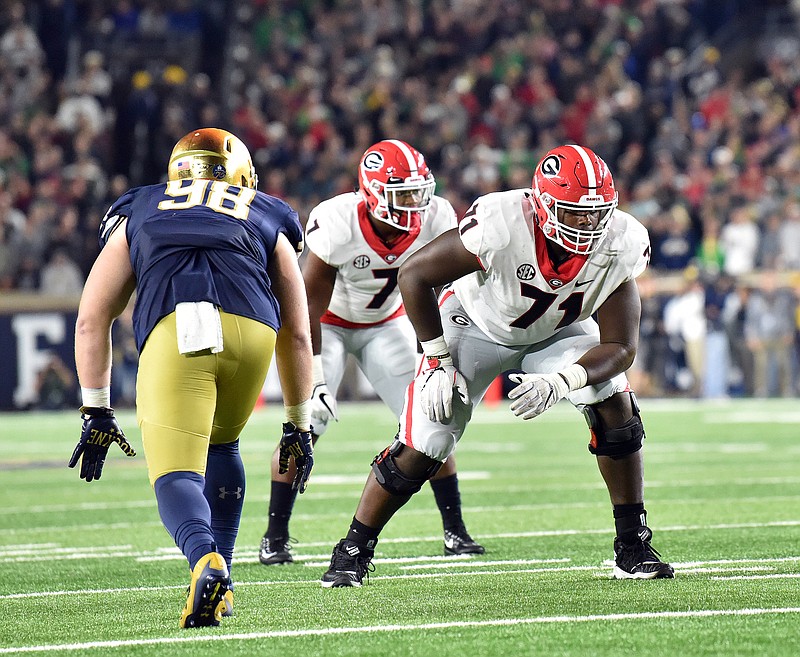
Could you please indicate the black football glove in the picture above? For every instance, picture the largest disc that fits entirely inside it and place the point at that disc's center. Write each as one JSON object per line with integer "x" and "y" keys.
{"x": 296, "y": 444}
{"x": 100, "y": 429}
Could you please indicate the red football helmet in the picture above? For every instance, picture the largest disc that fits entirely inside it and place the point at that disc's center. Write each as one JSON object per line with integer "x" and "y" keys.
{"x": 395, "y": 183}
{"x": 576, "y": 179}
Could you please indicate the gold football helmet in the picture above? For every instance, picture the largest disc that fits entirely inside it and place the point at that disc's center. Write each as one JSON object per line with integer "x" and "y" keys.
{"x": 214, "y": 154}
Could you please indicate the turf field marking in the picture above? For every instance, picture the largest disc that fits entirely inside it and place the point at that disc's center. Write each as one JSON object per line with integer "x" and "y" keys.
{"x": 471, "y": 563}
{"x": 689, "y": 567}
{"x": 473, "y": 475}
{"x": 330, "y": 631}
{"x": 770, "y": 576}
{"x": 167, "y": 553}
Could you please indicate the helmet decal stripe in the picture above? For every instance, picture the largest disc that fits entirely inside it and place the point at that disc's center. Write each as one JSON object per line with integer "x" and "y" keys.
{"x": 587, "y": 162}
{"x": 412, "y": 161}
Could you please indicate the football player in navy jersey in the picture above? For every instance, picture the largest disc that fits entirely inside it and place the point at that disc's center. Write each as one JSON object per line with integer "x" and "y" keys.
{"x": 218, "y": 288}
{"x": 525, "y": 273}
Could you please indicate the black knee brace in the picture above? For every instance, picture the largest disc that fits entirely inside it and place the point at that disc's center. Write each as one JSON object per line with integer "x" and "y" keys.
{"x": 391, "y": 478}
{"x": 616, "y": 443}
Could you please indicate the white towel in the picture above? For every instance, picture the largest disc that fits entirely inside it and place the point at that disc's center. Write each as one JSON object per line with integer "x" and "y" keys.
{"x": 199, "y": 327}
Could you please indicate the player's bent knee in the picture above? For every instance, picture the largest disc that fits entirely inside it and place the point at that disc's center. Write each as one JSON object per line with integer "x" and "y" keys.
{"x": 391, "y": 477}
{"x": 618, "y": 442}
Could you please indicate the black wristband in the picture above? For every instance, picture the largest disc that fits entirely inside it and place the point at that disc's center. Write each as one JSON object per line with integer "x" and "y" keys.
{"x": 96, "y": 411}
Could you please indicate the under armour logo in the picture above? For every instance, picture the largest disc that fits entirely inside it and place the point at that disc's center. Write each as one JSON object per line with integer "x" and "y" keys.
{"x": 223, "y": 493}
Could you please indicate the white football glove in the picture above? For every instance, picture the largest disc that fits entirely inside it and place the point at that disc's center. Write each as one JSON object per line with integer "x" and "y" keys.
{"x": 436, "y": 391}
{"x": 323, "y": 408}
{"x": 323, "y": 402}
{"x": 538, "y": 392}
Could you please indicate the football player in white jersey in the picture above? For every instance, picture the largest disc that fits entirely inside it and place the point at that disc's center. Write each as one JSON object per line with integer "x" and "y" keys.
{"x": 527, "y": 270}
{"x": 356, "y": 245}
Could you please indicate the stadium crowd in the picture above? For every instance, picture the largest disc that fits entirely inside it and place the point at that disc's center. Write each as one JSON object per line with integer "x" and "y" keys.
{"x": 694, "y": 104}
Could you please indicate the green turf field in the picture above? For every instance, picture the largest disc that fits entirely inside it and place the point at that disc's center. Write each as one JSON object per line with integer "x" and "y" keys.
{"x": 87, "y": 569}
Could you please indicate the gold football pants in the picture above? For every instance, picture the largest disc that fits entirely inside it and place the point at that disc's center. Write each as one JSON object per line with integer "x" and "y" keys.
{"x": 185, "y": 401}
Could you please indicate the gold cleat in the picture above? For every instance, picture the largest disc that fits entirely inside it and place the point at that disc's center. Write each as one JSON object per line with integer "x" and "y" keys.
{"x": 206, "y": 599}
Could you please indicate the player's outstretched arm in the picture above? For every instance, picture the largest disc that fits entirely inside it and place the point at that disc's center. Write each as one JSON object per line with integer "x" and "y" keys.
{"x": 107, "y": 291}
{"x": 440, "y": 262}
{"x": 319, "y": 278}
{"x": 293, "y": 347}
{"x": 293, "y": 358}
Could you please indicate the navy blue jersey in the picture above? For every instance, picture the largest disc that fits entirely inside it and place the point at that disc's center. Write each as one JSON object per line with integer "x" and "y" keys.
{"x": 202, "y": 240}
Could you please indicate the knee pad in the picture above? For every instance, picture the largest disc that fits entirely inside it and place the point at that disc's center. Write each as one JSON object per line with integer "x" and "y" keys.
{"x": 619, "y": 442}
{"x": 391, "y": 478}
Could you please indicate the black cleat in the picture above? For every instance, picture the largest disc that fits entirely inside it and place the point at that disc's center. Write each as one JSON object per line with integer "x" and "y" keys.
{"x": 275, "y": 551}
{"x": 639, "y": 560}
{"x": 349, "y": 565}
{"x": 460, "y": 542}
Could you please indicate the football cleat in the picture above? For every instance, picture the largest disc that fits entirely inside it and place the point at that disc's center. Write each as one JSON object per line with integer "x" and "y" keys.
{"x": 275, "y": 551}
{"x": 639, "y": 560}
{"x": 349, "y": 566}
{"x": 205, "y": 601}
{"x": 460, "y": 542}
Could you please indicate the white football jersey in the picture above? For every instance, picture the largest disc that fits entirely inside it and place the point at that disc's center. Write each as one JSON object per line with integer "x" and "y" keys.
{"x": 519, "y": 298}
{"x": 340, "y": 233}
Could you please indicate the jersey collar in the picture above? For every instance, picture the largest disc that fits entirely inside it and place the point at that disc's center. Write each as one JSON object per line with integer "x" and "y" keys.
{"x": 389, "y": 252}
{"x": 555, "y": 275}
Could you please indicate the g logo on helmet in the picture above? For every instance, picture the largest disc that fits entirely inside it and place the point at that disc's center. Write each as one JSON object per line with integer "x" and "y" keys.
{"x": 551, "y": 166}
{"x": 373, "y": 161}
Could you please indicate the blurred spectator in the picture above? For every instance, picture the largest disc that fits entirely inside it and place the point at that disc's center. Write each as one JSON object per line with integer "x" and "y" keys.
{"x": 685, "y": 324}
{"x": 673, "y": 240}
{"x": 710, "y": 255}
{"x": 94, "y": 79}
{"x": 19, "y": 46}
{"x": 61, "y": 277}
{"x": 770, "y": 332}
{"x": 56, "y": 386}
{"x": 80, "y": 109}
{"x": 789, "y": 235}
{"x": 701, "y": 130}
{"x": 740, "y": 375}
{"x": 717, "y": 347}
{"x": 739, "y": 240}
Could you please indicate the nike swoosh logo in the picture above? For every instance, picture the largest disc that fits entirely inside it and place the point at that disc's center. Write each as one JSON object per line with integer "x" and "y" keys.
{"x": 582, "y": 283}
{"x": 323, "y": 399}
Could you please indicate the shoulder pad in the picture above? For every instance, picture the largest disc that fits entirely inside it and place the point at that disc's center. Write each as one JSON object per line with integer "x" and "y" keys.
{"x": 334, "y": 219}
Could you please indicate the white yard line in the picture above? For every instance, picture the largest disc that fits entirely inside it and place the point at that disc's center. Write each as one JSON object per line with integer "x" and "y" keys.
{"x": 479, "y": 567}
{"x": 44, "y": 551}
{"x": 383, "y": 629}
